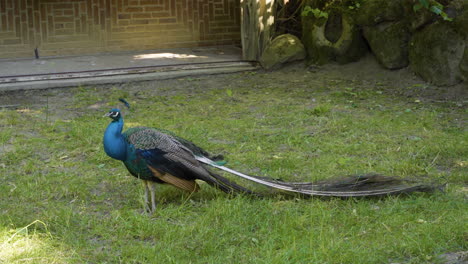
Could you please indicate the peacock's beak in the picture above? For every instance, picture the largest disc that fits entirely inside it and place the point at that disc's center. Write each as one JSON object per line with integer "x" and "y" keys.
{"x": 107, "y": 114}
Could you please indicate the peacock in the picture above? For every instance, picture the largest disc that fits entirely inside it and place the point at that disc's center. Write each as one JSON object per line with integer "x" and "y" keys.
{"x": 159, "y": 156}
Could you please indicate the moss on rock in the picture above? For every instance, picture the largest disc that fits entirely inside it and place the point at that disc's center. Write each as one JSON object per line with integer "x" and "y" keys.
{"x": 460, "y": 25}
{"x": 416, "y": 20}
{"x": 464, "y": 65}
{"x": 373, "y": 12}
{"x": 346, "y": 46}
{"x": 389, "y": 43}
{"x": 436, "y": 53}
{"x": 282, "y": 49}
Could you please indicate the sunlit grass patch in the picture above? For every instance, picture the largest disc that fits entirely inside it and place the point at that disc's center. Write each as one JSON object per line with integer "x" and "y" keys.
{"x": 29, "y": 245}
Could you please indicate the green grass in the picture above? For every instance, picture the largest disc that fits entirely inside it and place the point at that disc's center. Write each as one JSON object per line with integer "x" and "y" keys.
{"x": 62, "y": 200}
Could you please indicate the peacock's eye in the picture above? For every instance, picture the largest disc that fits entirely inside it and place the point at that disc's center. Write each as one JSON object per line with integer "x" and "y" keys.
{"x": 114, "y": 114}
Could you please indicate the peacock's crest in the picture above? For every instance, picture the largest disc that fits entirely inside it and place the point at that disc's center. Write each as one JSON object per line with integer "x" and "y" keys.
{"x": 127, "y": 104}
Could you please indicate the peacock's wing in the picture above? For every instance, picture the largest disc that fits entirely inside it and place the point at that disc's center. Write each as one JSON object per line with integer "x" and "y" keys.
{"x": 196, "y": 150}
{"x": 167, "y": 158}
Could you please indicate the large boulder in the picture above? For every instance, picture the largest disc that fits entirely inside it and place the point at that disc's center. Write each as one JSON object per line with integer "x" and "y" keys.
{"x": 460, "y": 19}
{"x": 389, "y": 43}
{"x": 336, "y": 38}
{"x": 373, "y": 12}
{"x": 436, "y": 53}
{"x": 284, "y": 48}
{"x": 418, "y": 19}
{"x": 464, "y": 65}
{"x": 460, "y": 25}
{"x": 439, "y": 51}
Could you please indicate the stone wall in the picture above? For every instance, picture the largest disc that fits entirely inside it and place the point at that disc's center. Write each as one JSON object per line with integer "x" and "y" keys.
{"x": 91, "y": 26}
{"x": 397, "y": 34}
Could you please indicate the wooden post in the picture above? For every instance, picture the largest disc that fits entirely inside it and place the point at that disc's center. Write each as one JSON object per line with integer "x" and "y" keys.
{"x": 257, "y": 27}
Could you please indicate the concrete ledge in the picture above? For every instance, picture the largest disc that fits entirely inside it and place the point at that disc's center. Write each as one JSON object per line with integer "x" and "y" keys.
{"x": 130, "y": 75}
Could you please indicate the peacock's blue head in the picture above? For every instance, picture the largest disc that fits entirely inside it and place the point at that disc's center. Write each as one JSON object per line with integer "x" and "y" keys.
{"x": 114, "y": 113}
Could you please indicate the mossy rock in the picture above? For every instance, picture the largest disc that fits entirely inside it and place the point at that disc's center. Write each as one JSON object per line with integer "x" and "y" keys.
{"x": 464, "y": 65}
{"x": 389, "y": 43}
{"x": 373, "y": 12}
{"x": 460, "y": 21}
{"x": 284, "y": 48}
{"x": 460, "y": 25}
{"x": 345, "y": 45}
{"x": 436, "y": 53}
{"x": 416, "y": 20}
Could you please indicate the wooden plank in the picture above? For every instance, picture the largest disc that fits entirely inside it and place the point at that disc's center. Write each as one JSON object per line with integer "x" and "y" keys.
{"x": 257, "y": 27}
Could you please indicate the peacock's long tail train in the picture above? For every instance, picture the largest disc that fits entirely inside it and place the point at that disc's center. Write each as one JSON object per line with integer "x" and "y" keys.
{"x": 349, "y": 186}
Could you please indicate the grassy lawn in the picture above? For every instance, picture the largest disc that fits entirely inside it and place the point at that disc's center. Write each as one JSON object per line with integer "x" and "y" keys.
{"x": 62, "y": 200}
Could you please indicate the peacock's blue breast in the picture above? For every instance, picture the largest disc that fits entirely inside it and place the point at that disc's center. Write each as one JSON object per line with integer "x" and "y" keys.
{"x": 137, "y": 166}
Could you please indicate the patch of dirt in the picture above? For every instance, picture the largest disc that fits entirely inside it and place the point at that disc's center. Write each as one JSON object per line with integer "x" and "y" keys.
{"x": 365, "y": 74}
{"x": 57, "y": 102}
{"x": 369, "y": 74}
{"x": 4, "y": 148}
{"x": 454, "y": 258}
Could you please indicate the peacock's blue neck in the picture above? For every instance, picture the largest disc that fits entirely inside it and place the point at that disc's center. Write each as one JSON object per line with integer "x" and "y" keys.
{"x": 114, "y": 142}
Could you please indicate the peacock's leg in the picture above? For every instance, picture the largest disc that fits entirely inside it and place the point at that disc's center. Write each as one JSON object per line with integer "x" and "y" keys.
{"x": 152, "y": 188}
{"x": 147, "y": 203}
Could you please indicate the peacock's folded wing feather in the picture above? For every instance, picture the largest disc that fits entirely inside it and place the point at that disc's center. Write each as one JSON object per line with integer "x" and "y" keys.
{"x": 196, "y": 150}
{"x": 164, "y": 157}
{"x": 173, "y": 162}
